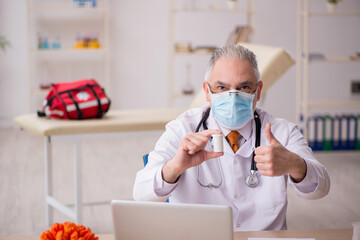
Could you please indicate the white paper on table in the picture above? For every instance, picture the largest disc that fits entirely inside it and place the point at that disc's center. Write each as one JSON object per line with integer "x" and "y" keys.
{"x": 281, "y": 238}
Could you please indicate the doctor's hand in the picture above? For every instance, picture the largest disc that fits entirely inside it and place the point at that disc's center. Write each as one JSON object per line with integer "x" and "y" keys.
{"x": 190, "y": 153}
{"x": 276, "y": 160}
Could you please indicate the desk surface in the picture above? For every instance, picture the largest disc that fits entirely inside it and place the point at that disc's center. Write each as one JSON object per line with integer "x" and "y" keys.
{"x": 323, "y": 234}
{"x": 114, "y": 121}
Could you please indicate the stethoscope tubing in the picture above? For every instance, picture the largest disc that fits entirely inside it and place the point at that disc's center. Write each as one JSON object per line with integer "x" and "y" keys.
{"x": 253, "y": 169}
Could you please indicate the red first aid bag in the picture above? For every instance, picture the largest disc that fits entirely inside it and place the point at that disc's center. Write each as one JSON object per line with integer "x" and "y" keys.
{"x": 75, "y": 100}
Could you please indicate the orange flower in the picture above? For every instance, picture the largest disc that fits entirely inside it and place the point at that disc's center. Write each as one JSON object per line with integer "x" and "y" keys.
{"x": 60, "y": 235}
{"x": 68, "y": 231}
{"x": 56, "y": 227}
{"x": 69, "y": 227}
{"x": 47, "y": 236}
{"x": 66, "y": 236}
{"x": 80, "y": 228}
{"x": 74, "y": 236}
{"x": 89, "y": 236}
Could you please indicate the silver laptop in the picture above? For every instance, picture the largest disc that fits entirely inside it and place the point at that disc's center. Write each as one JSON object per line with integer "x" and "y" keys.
{"x": 160, "y": 221}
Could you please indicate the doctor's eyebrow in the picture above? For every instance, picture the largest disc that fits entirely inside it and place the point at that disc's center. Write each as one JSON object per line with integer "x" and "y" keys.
{"x": 219, "y": 82}
{"x": 247, "y": 82}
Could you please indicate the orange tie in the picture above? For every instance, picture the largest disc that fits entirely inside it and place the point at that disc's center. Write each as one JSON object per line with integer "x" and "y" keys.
{"x": 233, "y": 138}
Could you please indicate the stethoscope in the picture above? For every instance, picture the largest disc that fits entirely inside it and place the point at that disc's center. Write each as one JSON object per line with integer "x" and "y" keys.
{"x": 251, "y": 180}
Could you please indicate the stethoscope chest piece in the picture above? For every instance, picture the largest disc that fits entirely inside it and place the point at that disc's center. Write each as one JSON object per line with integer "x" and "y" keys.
{"x": 252, "y": 180}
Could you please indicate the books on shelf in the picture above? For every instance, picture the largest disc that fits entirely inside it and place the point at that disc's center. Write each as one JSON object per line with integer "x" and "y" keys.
{"x": 183, "y": 47}
{"x": 355, "y": 57}
{"x": 204, "y": 49}
{"x": 316, "y": 56}
{"x": 239, "y": 34}
{"x": 186, "y": 48}
{"x": 334, "y": 132}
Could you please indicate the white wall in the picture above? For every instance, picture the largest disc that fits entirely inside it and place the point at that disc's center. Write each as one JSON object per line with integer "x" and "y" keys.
{"x": 139, "y": 53}
{"x": 14, "y": 92}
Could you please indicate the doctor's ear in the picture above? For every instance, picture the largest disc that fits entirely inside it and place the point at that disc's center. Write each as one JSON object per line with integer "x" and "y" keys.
{"x": 258, "y": 94}
{"x": 206, "y": 90}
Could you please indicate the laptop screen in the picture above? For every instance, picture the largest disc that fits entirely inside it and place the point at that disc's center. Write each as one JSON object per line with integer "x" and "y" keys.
{"x": 160, "y": 221}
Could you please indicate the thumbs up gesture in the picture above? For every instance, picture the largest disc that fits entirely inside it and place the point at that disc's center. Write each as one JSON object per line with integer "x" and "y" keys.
{"x": 276, "y": 160}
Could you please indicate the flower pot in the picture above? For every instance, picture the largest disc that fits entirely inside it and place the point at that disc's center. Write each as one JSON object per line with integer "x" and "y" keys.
{"x": 331, "y": 7}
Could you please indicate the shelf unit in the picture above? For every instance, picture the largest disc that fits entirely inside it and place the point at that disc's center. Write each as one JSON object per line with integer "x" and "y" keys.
{"x": 304, "y": 104}
{"x": 52, "y": 18}
{"x": 175, "y": 11}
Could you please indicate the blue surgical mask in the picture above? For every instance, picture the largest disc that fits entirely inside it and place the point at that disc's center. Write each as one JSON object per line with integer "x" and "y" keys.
{"x": 232, "y": 109}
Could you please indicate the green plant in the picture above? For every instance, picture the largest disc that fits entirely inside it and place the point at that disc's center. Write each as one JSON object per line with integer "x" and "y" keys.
{"x": 334, "y": 1}
{"x": 4, "y": 43}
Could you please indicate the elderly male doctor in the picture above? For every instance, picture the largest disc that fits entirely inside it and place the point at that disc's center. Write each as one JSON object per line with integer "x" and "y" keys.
{"x": 184, "y": 168}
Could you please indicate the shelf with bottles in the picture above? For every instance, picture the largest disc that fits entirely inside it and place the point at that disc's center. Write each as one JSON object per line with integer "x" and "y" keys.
{"x": 88, "y": 42}
{"x": 69, "y": 53}
{"x": 55, "y": 24}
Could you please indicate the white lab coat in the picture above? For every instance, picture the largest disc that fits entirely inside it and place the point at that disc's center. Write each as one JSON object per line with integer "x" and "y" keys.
{"x": 259, "y": 208}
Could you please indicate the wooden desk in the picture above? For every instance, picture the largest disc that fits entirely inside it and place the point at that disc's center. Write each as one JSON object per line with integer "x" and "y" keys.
{"x": 324, "y": 234}
{"x": 114, "y": 121}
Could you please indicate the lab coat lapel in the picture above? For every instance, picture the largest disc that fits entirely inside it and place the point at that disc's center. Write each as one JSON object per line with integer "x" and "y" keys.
{"x": 247, "y": 148}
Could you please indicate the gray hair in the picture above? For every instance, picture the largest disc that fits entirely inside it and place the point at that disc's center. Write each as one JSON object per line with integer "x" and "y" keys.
{"x": 234, "y": 51}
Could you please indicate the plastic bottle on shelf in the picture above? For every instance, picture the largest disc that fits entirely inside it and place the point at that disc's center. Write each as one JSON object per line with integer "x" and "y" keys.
{"x": 53, "y": 45}
{"x": 94, "y": 43}
{"x": 81, "y": 3}
{"x": 75, "y": 3}
{"x": 90, "y": 3}
{"x": 79, "y": 44}
{"x": 86, "y": 40}
{"x": 39, "y": 41}
{"x": 56, "y": 44}
{"x": 45, "y": 44}
{"x": 188, "y": 88}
